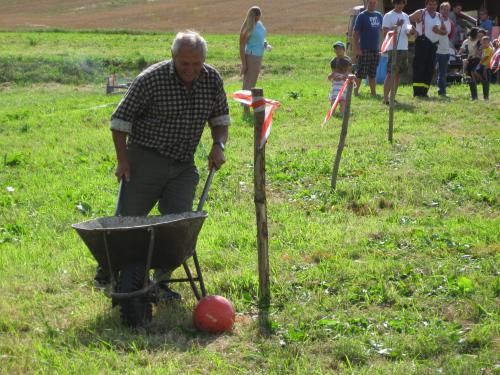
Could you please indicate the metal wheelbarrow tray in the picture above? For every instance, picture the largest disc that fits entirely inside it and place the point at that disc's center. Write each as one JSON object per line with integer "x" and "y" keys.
{"x": 130, "y": 246}
{"x": 128, "y": 239}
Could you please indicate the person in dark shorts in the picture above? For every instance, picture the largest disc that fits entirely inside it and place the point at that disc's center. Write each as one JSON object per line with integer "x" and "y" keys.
{"x": 469, "y": 50}
{"x": 366, "y": 40}
{"x": 398, "y": 22}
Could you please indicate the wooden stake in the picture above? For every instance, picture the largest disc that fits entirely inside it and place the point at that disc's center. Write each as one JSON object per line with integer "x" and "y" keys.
{"x": 392, "y": 97}
{"x": 343, "y": 133}
{"x": 261, "y": 211}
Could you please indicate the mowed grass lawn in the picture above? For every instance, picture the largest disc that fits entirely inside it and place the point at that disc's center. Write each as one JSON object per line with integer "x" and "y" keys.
{"x": 397, "y": 271}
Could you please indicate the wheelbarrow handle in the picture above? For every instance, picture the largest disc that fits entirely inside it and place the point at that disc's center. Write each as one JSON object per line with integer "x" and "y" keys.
{"x": 119, "y": 198}
{"x": 204, "y": 195}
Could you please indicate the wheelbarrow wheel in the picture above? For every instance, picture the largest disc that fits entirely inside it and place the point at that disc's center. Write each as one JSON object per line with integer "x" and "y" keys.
{"x": 135, "y": 311}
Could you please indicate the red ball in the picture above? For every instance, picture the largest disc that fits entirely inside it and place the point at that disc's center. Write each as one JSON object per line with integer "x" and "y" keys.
{"x": 214, "y": 314}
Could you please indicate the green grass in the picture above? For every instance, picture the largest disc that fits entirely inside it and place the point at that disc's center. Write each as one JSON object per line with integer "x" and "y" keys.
{"x": 395, "y": 272}
{"x": 82, "y": 57}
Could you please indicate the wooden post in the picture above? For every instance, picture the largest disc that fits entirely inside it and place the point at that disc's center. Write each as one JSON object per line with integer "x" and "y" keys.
{"x": 261, "y": 211}
{"x": 343, "y": 133}
{"x": 393, "y": 85}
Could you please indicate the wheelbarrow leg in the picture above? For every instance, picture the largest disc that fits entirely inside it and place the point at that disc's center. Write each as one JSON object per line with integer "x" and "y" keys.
{"x": 191, "y": 281}
{"x": 106, "y": 248}
{"x": 200, "y": 277}
{"x": 150, "y": 255}
{"x": 201, "y": 203}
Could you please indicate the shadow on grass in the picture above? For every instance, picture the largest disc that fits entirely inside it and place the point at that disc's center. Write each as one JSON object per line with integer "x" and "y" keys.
{"x": 405, "y": 107}
{"x": 399, "y": 106}
{"x": 171, "y": 329}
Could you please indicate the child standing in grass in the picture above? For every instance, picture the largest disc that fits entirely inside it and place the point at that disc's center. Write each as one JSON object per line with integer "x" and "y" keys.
{"x": 338, "y": 76}
{"x": 482, "y": 73}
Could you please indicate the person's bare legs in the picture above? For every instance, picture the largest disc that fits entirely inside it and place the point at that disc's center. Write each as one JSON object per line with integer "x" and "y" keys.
{"x": 250, "y": 77}
{"x": 396, "y": 84}
{"x": 387, "y": 87}
{"x": 342, "y": 107}
{"x": 373, "y": 86}
{"x": 357, "y": 82}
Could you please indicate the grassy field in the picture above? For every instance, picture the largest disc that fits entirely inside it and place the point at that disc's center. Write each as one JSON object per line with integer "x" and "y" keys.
{"x": 395, "y": 272}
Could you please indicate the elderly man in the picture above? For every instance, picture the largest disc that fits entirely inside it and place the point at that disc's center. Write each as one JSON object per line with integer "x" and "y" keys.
{"x": 366, "y": 39}
{"x": 157, "y": 127}
{"x": 430, "y": 26}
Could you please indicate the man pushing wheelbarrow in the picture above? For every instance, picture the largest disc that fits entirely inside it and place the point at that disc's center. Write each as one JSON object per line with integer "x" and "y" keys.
{"x": 156, "y": 129}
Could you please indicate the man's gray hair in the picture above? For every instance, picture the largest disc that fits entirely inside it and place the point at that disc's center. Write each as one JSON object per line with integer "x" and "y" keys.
{"x": 190, "y": 39}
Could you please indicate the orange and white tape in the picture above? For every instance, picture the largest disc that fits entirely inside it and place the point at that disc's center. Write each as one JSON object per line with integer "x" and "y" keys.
{"x": 259, "y": 104}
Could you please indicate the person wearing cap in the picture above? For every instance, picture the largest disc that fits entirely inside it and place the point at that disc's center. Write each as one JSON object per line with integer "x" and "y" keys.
{"x": 339, "y": 49}
{"x": 341, "y": 66}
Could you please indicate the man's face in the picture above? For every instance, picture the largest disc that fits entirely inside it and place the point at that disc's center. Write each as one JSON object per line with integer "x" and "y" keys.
{"x": 188, "y": 63}
{"x": 432, "y": 6}
{"x": 483, "y": 15}
{"x": 372, "y": 5}
{"x": 485, "y": 42}
{"x": 457, "y": 9}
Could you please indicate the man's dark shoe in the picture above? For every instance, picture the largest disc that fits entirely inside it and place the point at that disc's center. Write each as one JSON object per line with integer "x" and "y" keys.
{"x": 101, "y": 278}
{"x": 167, "y": 294}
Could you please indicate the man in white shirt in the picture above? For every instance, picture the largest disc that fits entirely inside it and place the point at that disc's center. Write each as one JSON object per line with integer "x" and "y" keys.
{"x": 398, "y": 22}
{"x": 443, "y": 50}
{"x": 429, "y": 27}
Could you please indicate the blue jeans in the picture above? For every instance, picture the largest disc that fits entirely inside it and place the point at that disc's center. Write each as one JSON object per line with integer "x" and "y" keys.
{"x": 442, "y": 60}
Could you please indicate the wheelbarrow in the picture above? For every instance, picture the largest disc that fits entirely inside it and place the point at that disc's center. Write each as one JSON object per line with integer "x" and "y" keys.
{"x": 130, "y": 246}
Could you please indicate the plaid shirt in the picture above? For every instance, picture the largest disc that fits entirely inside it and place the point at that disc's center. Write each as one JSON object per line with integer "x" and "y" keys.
{"x": 158, "y": 111}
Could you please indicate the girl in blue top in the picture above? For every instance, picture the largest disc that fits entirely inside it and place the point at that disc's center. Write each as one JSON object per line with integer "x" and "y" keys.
{"x": 252, "y": 46}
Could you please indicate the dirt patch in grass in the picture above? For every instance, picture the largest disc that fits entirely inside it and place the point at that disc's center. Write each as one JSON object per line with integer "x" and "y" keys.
{"x": 220, "y": 17}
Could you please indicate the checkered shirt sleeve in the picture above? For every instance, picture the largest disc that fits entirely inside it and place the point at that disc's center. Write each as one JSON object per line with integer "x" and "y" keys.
{"x": 132, "y": 105}
{"x": 220, "y": 110}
